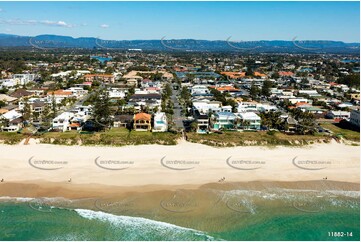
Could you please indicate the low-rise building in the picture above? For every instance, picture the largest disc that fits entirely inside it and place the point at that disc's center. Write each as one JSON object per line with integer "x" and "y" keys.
{"x": 337, "y": 116}
{"x": 124, "y": 120}
{"x": 160, "y": 122}
{"x": 107, "y": 78}
{"x": 62, "y": 121}
{"x": 8, "y": 99}
{"x": 142, "y": 122}
{"x": 355, "y": 117}
{"x": 223, "y": 120}
{"x": 11, "y": 121}
{"x": 249, "y": 120}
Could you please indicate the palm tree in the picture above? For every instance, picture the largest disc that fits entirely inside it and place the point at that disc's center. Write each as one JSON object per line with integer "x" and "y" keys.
{"x": 246, "y": 123}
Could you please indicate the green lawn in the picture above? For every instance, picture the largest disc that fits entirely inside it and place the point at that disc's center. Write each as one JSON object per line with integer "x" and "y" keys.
{"x": 232, "y": 138}
{"x": 115, "y": 137}
{"x": 11, "y": 137}
{"x": 346, "y": 133}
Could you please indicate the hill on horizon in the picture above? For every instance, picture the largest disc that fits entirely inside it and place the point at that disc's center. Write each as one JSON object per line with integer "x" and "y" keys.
{"x": 48, "y": 41}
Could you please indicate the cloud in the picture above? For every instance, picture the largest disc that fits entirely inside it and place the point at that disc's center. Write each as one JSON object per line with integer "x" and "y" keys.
{"x": 104, "y": 26}
{"x": 56, "y": 23}
{"x": 1, "y": 10}
{"x": 37, "y": 22}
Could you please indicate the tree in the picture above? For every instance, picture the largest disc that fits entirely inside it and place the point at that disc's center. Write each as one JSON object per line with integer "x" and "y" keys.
{"x": 249, "y": 72}
{"x": 54, "y": 108}
{"x": 254, "y": 91}
{"x": 4, "y": 122}
{"x": 194, "y": 126}
{"x": 266, "y": 88}
{"x": 306, "y": 121}
{"x": 271, "y": 120}
{"x": 26, "y": 111}
{"x": 2, "y": 104}
{"x": 45, "y": 116}
{"x": 101, "y": 111}
{"x": 351, "y": 80}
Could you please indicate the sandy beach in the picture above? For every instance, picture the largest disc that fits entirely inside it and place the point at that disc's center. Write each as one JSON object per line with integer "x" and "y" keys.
{"x": 182, "y": 164}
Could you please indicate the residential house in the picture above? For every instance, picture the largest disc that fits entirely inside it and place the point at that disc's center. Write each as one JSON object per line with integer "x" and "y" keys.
{"x": 355, "y": 117}
{"x": 123, "y": 120}
{"x": 292, "y": 125}
{"x": 24, "y": 78}
{"x": 142, "y": 122}
{"x": 199, "y": 90}
{"x": 107, "y": 78}
{"x": 206, "y": 106}
{"x": 353, "y": 96}
{"x": 13, "y": 122}
{"x": 337, "y": 116}
{"x": 202, "y": 121}
{"x": 299, "y": 100}
{"x": 249, "y": 120}
{"x": 58, "y": 95}
{"x": 8, "y": 83}
{"x": 62, "y": 121}
{"x": 285, "y": 73}
{"x": 151, "y": 100}
{"x": 77, "y": 91}
{"x": 116, "y": 93}
{"x": 247, "y": 107}
{"x": 8, "y": 99}
{"x": 22, "y": 93}
{"x": 234, "y": 75}
{"x": 160, "y": 122}
{"x": 223, "y": 120}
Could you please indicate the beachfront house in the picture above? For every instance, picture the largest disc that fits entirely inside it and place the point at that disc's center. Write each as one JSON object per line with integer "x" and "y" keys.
{"x": 291, "y": 125}
{"x": 249, "y": 120}
{"x": 202, "y": 121}
{"x": 62, "y": 121}
{"x": 223, "y": 120}
{"x": 337, "y": 116}
{"x": 123, "y": 120}
{"x": 355, "y": 117}
{"x": 11, "y": 121}
{"x": 160, "y": 122}
{"x": 142, "y": 122}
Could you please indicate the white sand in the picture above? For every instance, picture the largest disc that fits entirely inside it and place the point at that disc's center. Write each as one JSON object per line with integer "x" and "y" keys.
{"x": 344, "y": 164}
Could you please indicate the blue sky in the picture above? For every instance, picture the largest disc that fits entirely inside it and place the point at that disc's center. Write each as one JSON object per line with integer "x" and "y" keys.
{"x": 199, "y": 20}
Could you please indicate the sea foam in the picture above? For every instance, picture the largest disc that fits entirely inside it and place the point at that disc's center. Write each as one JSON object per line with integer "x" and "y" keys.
{"x": 144, "y": 226}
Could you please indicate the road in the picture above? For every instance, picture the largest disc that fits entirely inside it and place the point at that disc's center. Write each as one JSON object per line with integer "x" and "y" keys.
{"x": 177, "y": 117}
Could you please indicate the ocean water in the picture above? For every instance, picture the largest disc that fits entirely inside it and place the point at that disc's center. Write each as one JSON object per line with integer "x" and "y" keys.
{"x": 101, "y": 59}
{"x": 237, "y": 215}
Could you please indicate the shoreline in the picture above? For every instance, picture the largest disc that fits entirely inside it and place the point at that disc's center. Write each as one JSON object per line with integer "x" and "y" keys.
{"x": 43, "y": 189}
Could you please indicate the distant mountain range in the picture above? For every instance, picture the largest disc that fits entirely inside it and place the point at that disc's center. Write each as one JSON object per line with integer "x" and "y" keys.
{"x": 273, "y": 46}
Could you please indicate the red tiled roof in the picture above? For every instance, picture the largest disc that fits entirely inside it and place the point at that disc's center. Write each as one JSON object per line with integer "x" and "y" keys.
{"x": 285, "y": 73}
{"x": 60, "y": 92}
{"x": 142, "y": 116}
{"x": 234, "y": 74}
